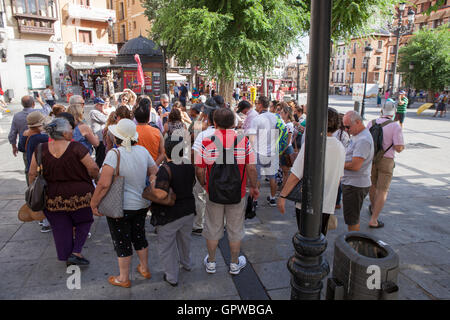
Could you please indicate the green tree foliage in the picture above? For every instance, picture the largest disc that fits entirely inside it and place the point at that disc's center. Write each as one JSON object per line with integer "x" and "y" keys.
{"x": 429, "y": 51}
{"x": 227, "y": 36}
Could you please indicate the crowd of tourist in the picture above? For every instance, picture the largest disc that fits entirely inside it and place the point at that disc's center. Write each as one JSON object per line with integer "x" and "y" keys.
{"x": 192, "y": 171}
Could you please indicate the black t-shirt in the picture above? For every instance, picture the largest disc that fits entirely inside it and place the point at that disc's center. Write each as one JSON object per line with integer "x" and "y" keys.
{"x": 182, "y": 184}
{"x": 184, "y": 91}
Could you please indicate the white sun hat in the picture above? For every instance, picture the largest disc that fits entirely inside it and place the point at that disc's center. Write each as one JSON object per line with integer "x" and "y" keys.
{"x": 125, "y": 130}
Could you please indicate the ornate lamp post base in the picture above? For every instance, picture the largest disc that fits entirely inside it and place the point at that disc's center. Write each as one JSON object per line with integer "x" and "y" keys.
{"x": 308, "y": 267}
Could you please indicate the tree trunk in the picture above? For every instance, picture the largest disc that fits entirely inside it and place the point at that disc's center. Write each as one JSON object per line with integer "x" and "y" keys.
{"x": 430, "y": 97}
{"x": 226, "y": 90}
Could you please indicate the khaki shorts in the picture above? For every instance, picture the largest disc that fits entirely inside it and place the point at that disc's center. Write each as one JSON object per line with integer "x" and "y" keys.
{"x": 215, "y": 214}
{"x": 382, "y": 173}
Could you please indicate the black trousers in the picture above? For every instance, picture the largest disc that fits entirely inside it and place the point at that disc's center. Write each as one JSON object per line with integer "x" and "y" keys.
{"x": 128, "y": 231}
{"x": 100, "y": 154}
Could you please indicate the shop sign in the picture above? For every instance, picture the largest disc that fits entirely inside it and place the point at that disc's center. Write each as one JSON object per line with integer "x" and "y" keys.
{"x": 37, "y": 74}
{"x": 184, "y": 71}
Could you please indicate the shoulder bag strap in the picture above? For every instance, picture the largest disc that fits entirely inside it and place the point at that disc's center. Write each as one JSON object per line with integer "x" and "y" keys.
{"x": 39, "y": 159}
{"x": 117, "y": 152}
{"x": 234, "y": 147}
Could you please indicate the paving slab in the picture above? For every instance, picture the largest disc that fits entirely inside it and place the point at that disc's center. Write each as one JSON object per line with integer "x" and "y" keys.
{"x": 27, "y": 250}
{"x": 270, "y": 275}
{"x": 432, "y": 279}
{"x": 7, "y": 231}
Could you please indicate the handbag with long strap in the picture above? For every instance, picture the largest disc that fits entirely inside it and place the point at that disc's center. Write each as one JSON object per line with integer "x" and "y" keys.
{"x": 36, "y": 192}
{"x": 112, "y": 203}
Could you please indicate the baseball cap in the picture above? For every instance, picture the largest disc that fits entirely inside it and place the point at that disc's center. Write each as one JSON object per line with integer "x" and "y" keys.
{"x": 402, "y": 92}
{"x": 244, "y": 104}
{"x": 99, "y": 101}
{"x": 388, "y": 108}
{"x": 35, "y": 119}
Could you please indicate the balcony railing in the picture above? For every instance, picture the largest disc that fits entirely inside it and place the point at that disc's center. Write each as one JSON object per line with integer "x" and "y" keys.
{"x": 29, "y": 23}
{"x": 76, "y": 11}
{"x": 91, "y": 49}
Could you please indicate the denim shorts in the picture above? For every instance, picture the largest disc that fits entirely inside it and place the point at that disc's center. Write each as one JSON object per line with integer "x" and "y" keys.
{"x": 288, "y": 151}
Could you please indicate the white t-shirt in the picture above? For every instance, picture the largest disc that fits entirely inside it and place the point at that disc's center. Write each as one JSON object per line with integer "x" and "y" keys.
{"x": 47, "y": 93}
{"x": 202, "y": 135}
{"x": 251, "y": 115}
{"x": 133, "y": 166}
{"x": 290, "y": 128}
{"x": 334, "y": 170}
{"x": 264, "y": 126}
{"x": 238, "y": 90}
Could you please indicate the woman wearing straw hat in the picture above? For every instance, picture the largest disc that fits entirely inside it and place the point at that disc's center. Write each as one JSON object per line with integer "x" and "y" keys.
{"x": 130, "y": 230}
{"x": 34, "y": 136}
{"x": 68, "y": 170}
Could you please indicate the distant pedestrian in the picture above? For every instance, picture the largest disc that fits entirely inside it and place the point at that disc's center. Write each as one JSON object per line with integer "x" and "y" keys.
{"x": 383, "y": 167}
{"x": 183, "y": 94}
{"x": 358, "y": 165}
{"x": 135, "y": 166}
{"x": 334, "y": 170}
{"x": 379, "y": 98}
{"x": 174, "y": 233}
{"x": 68, "y": 170}
{"x": 441, "y": 102}
{"x": 401, "y": 108}
{"x": 387, "y": 94}
{"x": 225, "y": 183}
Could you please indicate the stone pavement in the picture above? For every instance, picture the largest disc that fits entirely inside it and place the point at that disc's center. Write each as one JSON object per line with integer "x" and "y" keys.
{"x": 416, "y": 215}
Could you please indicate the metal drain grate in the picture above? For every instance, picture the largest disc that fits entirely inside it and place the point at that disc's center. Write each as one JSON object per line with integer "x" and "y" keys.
{"x": 419, "y": 146}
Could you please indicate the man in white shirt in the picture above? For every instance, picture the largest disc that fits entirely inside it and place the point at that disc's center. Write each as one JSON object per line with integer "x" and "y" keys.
{"x": 264, "y": 136}
{"x": 199, "y": 191}
{"x": 333, "y": 171}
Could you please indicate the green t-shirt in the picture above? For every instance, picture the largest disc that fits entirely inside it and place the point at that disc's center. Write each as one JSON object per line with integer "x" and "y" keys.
{"x": 402, "y": 104}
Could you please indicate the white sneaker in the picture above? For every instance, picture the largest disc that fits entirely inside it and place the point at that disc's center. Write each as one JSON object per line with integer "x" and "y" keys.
{"x": 210, "y": 266}
{"x": 235, "y": 268}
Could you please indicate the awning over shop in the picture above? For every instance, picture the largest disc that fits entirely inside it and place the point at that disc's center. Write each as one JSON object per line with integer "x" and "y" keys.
{"x": 175, "y": 77}
{"x": 86, "y": 65}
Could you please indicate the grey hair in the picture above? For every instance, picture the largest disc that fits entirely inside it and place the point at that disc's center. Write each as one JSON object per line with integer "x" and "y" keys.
{"x": 57, "y": 128}
{"x": 354, "y": 116}
{"x": 164, "y": 96}
{"x": 76, "y": 99}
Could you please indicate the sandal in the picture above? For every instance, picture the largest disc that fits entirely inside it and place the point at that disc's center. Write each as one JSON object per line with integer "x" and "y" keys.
{"x": 379, "y": 225}
{"x": 113, "y": 280}
{"x": 145, "y": 274}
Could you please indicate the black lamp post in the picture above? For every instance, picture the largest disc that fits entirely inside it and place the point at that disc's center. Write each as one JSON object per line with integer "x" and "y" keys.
{"x": 400, "y": 30}
{"x": 299, "y": 61}
{"x": 368, "y": 51}
{"x": 308, "y": 266}
{"x": 163, "y": 44}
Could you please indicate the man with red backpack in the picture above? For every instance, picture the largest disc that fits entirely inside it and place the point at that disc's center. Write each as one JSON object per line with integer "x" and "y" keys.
{"x": 388, "y": 139}
{"x": 222, "y": 167}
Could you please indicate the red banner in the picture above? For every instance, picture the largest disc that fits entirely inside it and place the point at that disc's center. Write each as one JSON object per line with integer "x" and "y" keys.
{"x": 140, "y": 72}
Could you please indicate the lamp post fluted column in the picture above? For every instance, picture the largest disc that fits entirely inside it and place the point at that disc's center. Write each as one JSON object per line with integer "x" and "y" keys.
{"x": 308, "y": 266}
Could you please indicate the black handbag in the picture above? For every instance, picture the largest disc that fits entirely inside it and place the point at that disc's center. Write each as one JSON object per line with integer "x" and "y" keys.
{"x": 296, "y": 193}
{"x": 36, "y": 192}
{"x": 250, "y": 211}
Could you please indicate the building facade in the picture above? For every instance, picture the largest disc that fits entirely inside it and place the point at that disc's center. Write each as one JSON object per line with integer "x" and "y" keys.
{"x": 422, "y": 20}
{"x": 338, "y": 68}
{"x": 31, "y": 47}
{"x": 130, "y": 21}
{"x": 85, "y": 26}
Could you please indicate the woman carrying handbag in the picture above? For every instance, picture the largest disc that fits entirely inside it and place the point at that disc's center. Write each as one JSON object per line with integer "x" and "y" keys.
{"x": 127, "y": 230}
{"x": 173, "y": 219}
